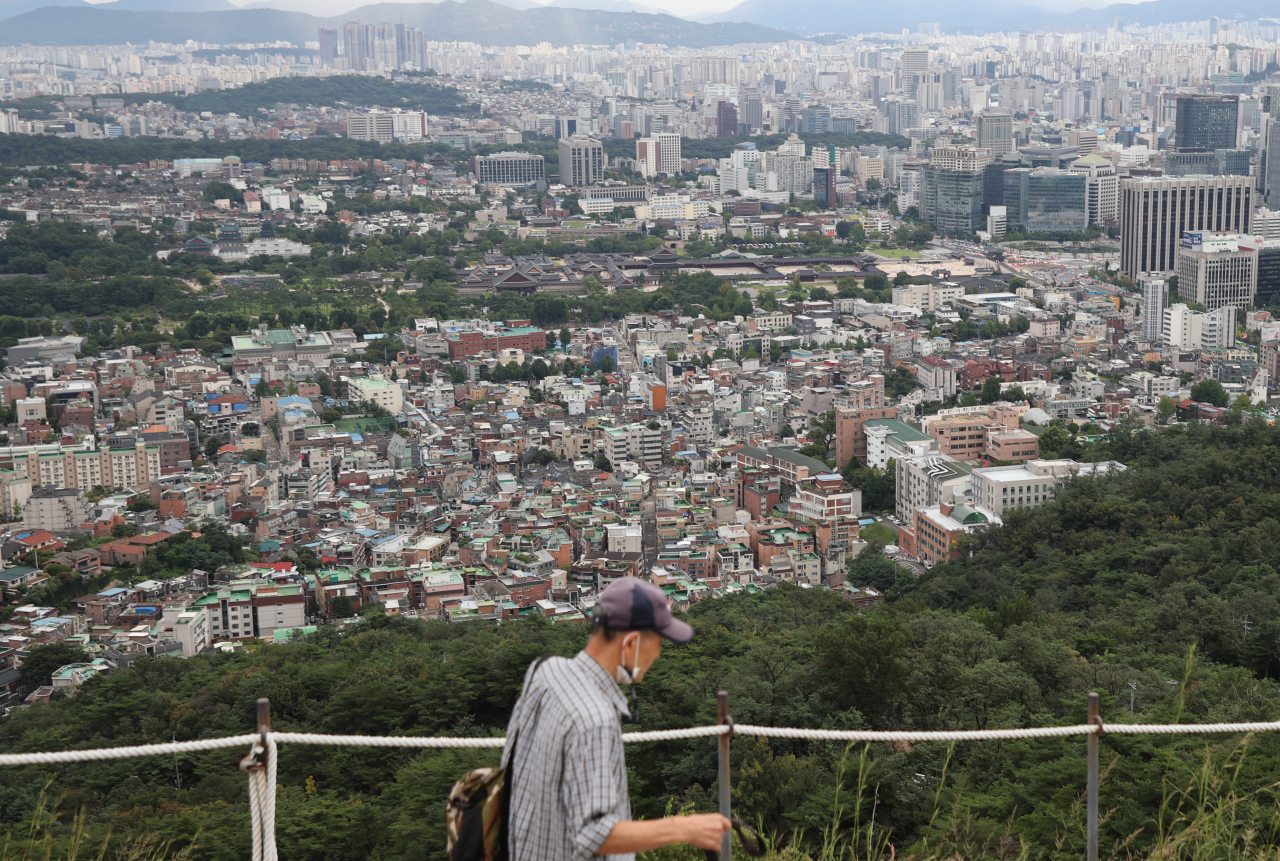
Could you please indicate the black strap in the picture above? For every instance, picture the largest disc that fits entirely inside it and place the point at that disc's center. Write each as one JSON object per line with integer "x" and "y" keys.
{"x": 754, "y": 849}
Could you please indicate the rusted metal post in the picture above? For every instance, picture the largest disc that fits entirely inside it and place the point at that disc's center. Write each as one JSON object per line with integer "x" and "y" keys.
{"x": 722, "y": 718}
{"x": 257, "y": 758}
{"x": 1091, "y": 812}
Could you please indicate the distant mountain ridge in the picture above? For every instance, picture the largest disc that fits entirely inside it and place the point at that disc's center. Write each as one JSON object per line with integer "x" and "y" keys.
{"x": 474, "y": 21}
{"x": 813, "y": 16}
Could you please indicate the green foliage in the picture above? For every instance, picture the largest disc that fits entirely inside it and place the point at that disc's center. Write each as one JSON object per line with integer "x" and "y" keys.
{"x": 877, "y": 485}
{"x": 323, "y": 92}
{"x": 43, "y": 661}
{"x": 1210, "y": 392}
{"x": 900, "y": 382}
{"x": 879, "y": 534}
{"x": 990, "y": 390}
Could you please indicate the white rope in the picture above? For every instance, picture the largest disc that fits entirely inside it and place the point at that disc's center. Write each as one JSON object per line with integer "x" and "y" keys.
{"x": 668, "y": 734}
{"x": 957, "y": 735}
{"x": 262, "y": 801}
{"x": 125, "y": 752}
{"x": 1170, "y": 729}
{"x": 170, "y": 748}
{"x": 384, "y": 740}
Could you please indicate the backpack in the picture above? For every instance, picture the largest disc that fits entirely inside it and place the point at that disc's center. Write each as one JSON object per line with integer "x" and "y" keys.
{"x": 478, "y": 812}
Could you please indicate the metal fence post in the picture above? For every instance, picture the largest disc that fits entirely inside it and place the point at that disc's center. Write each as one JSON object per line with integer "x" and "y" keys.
{"x": 722, "y": 718}
{"x": 1091, "y": 812}
{"x": 264, "y": 719}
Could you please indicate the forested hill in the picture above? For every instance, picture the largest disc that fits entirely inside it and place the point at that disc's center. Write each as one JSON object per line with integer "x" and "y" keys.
{"x": 1114, "y": 583}
{"x": 361, "y": 90}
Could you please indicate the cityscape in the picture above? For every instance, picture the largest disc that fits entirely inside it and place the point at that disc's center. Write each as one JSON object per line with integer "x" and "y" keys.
{"x": 932, "y": 372}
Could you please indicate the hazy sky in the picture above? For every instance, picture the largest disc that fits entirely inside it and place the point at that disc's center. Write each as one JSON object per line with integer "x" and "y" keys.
{"x": 683, "y": 8}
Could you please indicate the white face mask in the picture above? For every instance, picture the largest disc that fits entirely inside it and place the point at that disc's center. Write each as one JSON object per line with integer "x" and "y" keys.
{"x": 625, "y": 676}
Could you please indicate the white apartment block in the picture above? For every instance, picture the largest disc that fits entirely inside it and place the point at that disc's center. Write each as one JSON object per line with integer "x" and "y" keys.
{"x": 385, "y": 393}
{"x": 1185, "y": 329}
{"x": 928, "y": 297}
{"x": 625, "y": 538}
{"x": 1030, "y": 485}
{"x": 634, "y": 442}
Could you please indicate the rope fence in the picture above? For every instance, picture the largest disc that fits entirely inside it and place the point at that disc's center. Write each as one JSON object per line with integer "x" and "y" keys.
{"x": 261, "y": 761}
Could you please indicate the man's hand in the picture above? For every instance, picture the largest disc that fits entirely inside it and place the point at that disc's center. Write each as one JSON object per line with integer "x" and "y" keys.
{"x": 705, "y": 830}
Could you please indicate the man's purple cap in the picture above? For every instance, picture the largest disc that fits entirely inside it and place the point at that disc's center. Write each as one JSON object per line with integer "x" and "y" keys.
{"x": 632, "y": 604}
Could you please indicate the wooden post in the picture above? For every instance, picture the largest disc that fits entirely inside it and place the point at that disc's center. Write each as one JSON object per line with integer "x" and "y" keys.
{"x": 722, "y": 715}
{"x": 1091, "y": 812}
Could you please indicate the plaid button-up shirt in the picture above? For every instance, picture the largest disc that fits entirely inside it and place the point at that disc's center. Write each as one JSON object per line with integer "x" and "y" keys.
{"x": 570, "y": 776}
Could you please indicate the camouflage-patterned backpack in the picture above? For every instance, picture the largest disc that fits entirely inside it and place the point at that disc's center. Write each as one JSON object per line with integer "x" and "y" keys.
{"x": 479, "y": 810}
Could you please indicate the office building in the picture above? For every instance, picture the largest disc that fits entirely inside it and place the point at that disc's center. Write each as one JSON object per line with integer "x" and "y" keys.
{"x": 952, "y": 189}
{"x": 815, "y": 120}
{"x": 1186, "y": 329}
{"x": 659, "y": 154}
{"x": 372, "y": 126}
{"x": 1102, "y": 188}
{"x": 1206, "y": 121}
{"x": 1217, "y": 270}
{"x": 915, "y": 65}
{"x": 824, "y": 186}
{"x": 965, "y": 158}
{"x": 994, "y": 132}
{"x": 1155, "y": 298}
{"x": 581, "y": 160}
{"x": 510, "y": 168}
{"x": 726, "y": 119}
{"x": 568, "y": 126}
{"x": 1044, "y": 200}
{"x": 1268, "y": 287}
{"x": 1030, "y": 485}
{"x": 1156, "y": 210}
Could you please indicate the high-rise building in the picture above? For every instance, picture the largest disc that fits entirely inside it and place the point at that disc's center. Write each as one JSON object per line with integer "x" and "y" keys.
{"x": 726, "y": 119}
{"x": 1044, "y": 200}
{"x": 816, "y": 120}
{"x": 1156, "y": 210}
{"x": 1206, "y": 121}
{"x": 358, "y": 45}
{"x": 995, "y": 132}
{"x": 1155, "y": 298}
{"x": 647, "y": 157}
{"x": 1102, "y": 186}
{"x": 509, "y": 168}
{"x": 914, "y": 65}
{"x": 1217, "y": 270}
{"x": 1268, "y": 289}
{"x": 658, "y": 154}
{"x": 824, "y": 185}
{"x": 328, "y": 47}
{"x": 951, "y": 200}
{"x": 751, "y": 114}
{"x": 900, "y": 115}
{"x": 668, "y": 152}
{"x": 581, "y": 160}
